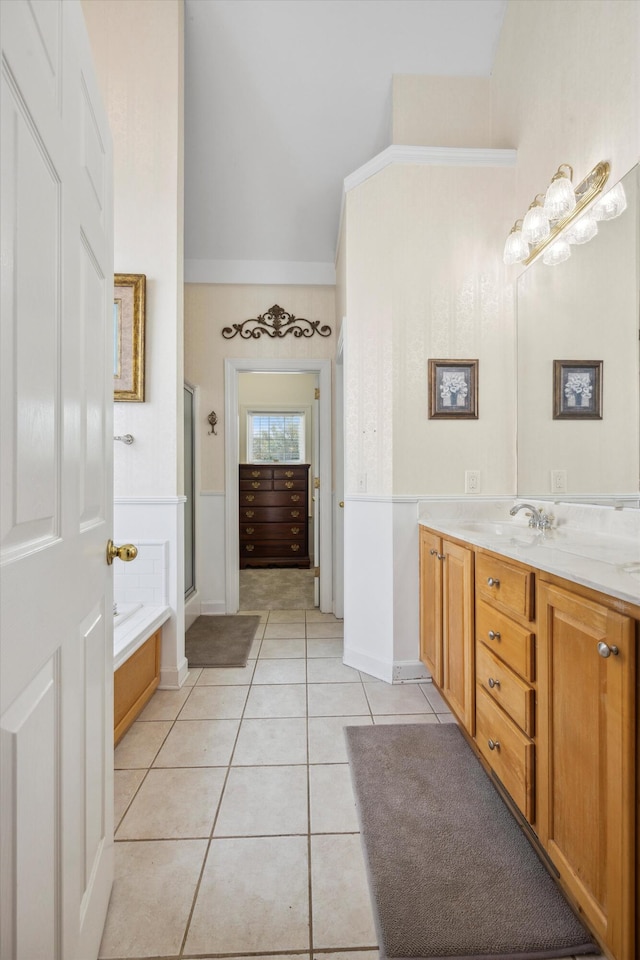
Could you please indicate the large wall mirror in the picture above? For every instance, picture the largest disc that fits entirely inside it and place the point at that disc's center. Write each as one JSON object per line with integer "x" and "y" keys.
{"x": 584, "y": 309}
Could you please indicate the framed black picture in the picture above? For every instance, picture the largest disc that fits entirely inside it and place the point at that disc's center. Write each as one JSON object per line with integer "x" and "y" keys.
{"x": 577, "y": 389}
{"x": 453, "y": 389}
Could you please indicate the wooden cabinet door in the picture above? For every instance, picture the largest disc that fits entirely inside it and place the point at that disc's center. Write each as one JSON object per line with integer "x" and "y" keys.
{"x": 431, "y": 604}
{"x": 458, "y": 681}
{"x": 585, "y": 753}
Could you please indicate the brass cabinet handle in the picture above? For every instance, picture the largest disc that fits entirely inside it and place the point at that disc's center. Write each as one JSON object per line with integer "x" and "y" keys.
{"x": 288, "y": 473}
{"x": 493, "y": 582}
{"x": 295, "y": 546}
{"x": 295, "y": 497}
{"x": 126, "y": 552}
{"x": 295, "y": 530}
{"x": 248, "y": 514}
{"x": 248, "y": 530}
{"x": 493, "y": 683}
{"x": 494, "y": 744}
{"x": 288, "y": 484}
{"x": 606, "y": 651}
{"x": 295, "y": 513}
{"x": 494, "y": 635}
{"x": 255, "y": 473}
{"x": 250, "y": 497}
{"x": 249, "y": 547}
{"x": 255, "y": 484}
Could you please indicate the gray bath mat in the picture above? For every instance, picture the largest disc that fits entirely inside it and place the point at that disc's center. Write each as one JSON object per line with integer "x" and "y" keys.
{"x": 220, "y": 641}
{"x": 450, "y": 872}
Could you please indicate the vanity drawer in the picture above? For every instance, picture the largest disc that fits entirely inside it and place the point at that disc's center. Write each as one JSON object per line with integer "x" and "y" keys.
{"x": 506, "y": 586}
{"x": 512, "y": 756}
{"x": 505, "y": 687}
{"x": 506, "y": 639}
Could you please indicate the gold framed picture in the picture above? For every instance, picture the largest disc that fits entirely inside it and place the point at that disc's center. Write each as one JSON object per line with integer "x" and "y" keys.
{"x": 128, "y": 336}
{"x": 453, "y": 389}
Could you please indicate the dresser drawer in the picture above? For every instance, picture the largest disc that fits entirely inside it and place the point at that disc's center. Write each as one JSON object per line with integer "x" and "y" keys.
{"x": 250, "y": 472}
{"x": 273, "y": 531}
{"x": 509, "y": 588}
{"x": 256, "y": 485}
{"x": 504, "y": 686}
{"x": 273, "y": 498}
{"x": 282, "y": 484}
{"x": 508, "y": 752}
{"x": 290, "y": 473}
{"x": 280, "y": 549}
{"x": 272, "y": 514}
{"x": 506, "y": 639}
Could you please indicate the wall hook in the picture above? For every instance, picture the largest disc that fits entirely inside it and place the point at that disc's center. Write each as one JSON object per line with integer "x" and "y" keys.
{"x": 213, "y": 419}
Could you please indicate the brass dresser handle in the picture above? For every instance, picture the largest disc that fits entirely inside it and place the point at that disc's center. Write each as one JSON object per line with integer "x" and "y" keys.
{"x": 255, "y": 473}
{"x": 248, "y": 514}
{"x": 288, "y": 484}
{"x": 295, "y": 497}
{"x": 288, "y": 473}
{"x": 250, "y": 497}
{"x": 248, "y": 530}
{"x": 295, "y": 546}
{"x": 295, "y": 530}
{"x": 255, "y": 484}
{"x": 295, "y": 513}
{"x": 249, "y": 547}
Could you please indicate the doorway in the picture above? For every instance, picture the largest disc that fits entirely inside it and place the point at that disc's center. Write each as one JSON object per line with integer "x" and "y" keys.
{"x": 322, "y": 493}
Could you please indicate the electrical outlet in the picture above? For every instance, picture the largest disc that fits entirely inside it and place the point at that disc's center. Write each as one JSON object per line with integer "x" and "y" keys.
{"x": 472, "y": 481}
{"x": 558, "y": 481}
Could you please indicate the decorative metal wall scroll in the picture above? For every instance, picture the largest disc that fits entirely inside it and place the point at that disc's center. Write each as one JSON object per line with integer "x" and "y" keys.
{"x": 276, "y": 322}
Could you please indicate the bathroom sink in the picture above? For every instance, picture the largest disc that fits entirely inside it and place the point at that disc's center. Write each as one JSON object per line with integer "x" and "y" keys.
{"x": 497, "y": 529}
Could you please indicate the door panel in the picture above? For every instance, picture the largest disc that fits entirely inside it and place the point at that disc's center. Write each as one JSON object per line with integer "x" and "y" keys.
{"x": 56, "y": 638}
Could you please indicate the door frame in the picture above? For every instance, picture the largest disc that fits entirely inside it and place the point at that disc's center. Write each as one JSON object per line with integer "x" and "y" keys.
{"x": 232, "y": 369}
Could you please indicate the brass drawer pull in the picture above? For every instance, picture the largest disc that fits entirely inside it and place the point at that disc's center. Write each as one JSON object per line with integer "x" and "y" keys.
{"x": 249, "y": 530}
{"x": 493, "y": 683}
{"x": 295, "y": 497}
{"x": 295, "y": 513}
{"x": 493, "y": 582}
{"x": 288, "y": 473}
{"x": 494, "y": 635}
{"x": 255, "y": 473}
{"x": 249, "y": 547}
{"x": 288, "y": 484}
{"x": 250, "y": 498}
{"x": 295, "y": 546}
{"x": 295, "y": 530}
{"x": 255, "y": 484}
{"x": 248, "y": 514}
{"x": 494, "y": 744}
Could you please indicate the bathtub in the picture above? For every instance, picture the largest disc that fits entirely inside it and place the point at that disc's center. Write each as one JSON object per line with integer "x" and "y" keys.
{"x": 132, "y": 626}
{"x": 136, "y": 660}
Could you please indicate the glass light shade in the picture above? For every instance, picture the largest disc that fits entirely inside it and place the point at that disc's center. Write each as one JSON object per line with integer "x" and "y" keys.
{"x": 535, "y": 226}
{"x": 556, "y": 252}
{"x": 559, "y": 199}
{"x": 611, "y": 205}
{"x": 516, "y": 249}
{"x": 582, "y": 230}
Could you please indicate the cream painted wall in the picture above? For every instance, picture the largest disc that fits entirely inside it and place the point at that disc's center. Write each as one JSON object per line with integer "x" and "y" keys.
{"x": 284, "y": 391}
{"x": 209, "y": 308}
{"x": 441, "y": 111}
{"x": 137, "y": 49}
{"x": 565, "y": 88}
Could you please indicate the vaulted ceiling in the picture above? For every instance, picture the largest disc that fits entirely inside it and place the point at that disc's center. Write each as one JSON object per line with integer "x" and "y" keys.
{"x": 284, "y": 99}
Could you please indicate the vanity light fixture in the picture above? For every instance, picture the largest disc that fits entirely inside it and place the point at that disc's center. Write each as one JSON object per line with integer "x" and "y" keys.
{"x": 561, "y": 206}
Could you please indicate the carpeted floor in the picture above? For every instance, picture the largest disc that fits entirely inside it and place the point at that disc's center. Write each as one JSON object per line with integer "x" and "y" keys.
{"x": 221, "y": 641}
{"x": 276, "y": 589}
{"x": 450, "y": 871}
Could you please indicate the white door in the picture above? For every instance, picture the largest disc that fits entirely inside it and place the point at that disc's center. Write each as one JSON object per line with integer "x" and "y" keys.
{"x": 56, "y": 653}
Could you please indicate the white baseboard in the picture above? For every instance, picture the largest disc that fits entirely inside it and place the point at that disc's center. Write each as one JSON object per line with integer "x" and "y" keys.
{"x": 405, "y": 671}
{"x": 208, "y": 608}
{"x": 192, "y": 610}
{"x": 380, "y": 669}
{"x": 173, "y": 679}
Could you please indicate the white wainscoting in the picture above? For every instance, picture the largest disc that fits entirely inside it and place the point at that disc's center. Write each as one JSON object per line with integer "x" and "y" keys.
{"x": 211, "y": 557}
{"x": 161, "y": 518}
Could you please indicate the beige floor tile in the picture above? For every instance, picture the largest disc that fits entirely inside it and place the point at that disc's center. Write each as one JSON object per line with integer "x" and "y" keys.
{"x": 277, "y": 700}
{"x": 125, "y": 784}
{"x": 314, "y": 616}
{"x": 165, "y": 704}
{"x": 253, "y": 897}
{"x": 282, "y": 649}
{"x": 226, "y": 676}
{"x": 405, "y": 718}
{"x": 286, "y": 616}
{"x": 263, "y": 614}
{"x": 192, "y": 676}
{"x": 325, "y": 648}
{"x": 326, "y": 737}
{"x": 260, "y": 801}
{"x": 140, "y": 744}
{"x": 255, "y": 649}
{"x": 337, "y": 700}
{"x": 285, "y": 631}
{"x": 199, "y": 743}
{"x": 333, "y": 805}
{"x": 174, "y": 804}
{"x": 271, "y": 956}
{"x": 341, "y": 907}
{"x": 324, "y": 630}
{"x": 280, "y": 671}
{"x": 271, "y": 742}
{"x": 215, "y": 703}
{"x": 438, "y": 704}
{"x": 154, "y": 885}
{"x": 330, "y": 670}
{"x": 359, "y": 955}
{"x": 446, "y": 718}
{"x": 396, "y": 698}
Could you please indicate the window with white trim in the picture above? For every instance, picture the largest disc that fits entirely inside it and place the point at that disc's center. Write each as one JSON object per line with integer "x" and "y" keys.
{"x": 276, "y": 436}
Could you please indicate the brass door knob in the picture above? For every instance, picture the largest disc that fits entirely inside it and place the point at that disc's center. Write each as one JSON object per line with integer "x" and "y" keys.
{"x": 126, "y": 552}
{"x": 341, "y": 504}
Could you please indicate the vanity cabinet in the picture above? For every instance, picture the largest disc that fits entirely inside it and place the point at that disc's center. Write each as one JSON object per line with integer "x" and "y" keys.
{"x": 447, "y": 622}
{"x": 586, "y": 744}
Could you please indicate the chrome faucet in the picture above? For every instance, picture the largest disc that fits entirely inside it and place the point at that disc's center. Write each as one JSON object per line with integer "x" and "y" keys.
{"x": 538, "y": 519}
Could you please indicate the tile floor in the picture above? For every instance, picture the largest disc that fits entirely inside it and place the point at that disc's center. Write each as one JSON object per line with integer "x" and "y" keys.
{"x": 236, "y": 830}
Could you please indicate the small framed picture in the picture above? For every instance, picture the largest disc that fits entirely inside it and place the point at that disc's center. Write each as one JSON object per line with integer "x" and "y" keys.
{"x": 577, "y": 389}
{"x": 453, "y": 389}
{"x": 128, "y": 336}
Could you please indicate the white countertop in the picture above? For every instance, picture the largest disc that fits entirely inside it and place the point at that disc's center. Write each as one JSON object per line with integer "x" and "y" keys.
{"x": 132, "y": 627}
{"x": 598, "y": 547}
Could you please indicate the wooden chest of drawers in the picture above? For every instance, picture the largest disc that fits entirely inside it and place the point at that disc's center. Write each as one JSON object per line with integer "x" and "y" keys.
{"x": 274, "y": 508}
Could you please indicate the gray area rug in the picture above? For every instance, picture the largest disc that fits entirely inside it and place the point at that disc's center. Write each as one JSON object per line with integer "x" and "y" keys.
{"x": 451, "y": 873}
{"x": 276, "y": 589}
{"x": 222, "y": 641}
